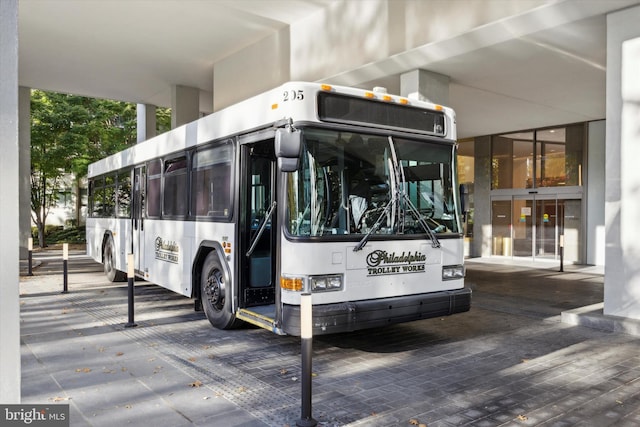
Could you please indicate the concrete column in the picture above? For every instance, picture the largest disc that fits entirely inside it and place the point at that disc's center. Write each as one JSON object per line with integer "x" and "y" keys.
{"x": 9, "y": 196}
{"x": 425, "y": 85}
{"x": 481, "y": 245}
{"x": 185, "y": 105}
{"x": 595, "y": 181}
{"x": 622, "y": 187}
{"x": 24, "y": 99}
{"x": 146, "y": 121}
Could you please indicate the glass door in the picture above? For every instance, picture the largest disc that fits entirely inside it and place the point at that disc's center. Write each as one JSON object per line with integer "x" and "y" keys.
{"x": 546, "y": 228}
{"x": 523, "y": 226}
{"x": 501, "y": 226}
{"x": 535, "y": 231}
{"x": 530, "y": 227}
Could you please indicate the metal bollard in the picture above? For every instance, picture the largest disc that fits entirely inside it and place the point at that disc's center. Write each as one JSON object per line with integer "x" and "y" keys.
{"x": 130, "y": 279}
{"x": 306, "y": 337}
{"x": 562, "y": 253}
{"x": 65, "y": 269}
{"x": 30, "y": 249}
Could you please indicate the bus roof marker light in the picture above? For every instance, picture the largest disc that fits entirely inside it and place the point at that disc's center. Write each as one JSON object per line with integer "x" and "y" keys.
{"x": 387, "y": 98}
{"x": 439, "y": 107}
{"x": 404, "y": 101}
{"x": 369, "y": 95}
{"x": 274, "y": 106}
{"x": 326, "y": 87}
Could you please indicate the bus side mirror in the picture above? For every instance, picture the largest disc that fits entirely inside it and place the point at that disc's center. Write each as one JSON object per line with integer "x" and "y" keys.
{"x": 287, "y": 146}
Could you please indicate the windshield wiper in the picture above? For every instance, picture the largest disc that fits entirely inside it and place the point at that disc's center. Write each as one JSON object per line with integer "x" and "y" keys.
{"x": 399, "y": 198}
{"x": 389, "y": 208}
{"x": 435, "y": 243}
{"x": 362, "y": 243}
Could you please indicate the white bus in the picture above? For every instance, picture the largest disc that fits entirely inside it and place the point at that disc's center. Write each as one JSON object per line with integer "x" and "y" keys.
{"x": 347, "y": 194}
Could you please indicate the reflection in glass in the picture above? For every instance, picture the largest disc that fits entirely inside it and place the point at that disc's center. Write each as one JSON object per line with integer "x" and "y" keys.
{"x": 347, "y": 184}
{"x": 558, "y": 158}
{"x": 501, "y": 226}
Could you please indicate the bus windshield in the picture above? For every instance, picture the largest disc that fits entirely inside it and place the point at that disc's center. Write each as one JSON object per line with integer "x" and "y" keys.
{"x": 365, "y": 184}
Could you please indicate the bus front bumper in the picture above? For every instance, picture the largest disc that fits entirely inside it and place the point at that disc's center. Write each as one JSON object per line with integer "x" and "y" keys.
{"x": 354, "y": 315}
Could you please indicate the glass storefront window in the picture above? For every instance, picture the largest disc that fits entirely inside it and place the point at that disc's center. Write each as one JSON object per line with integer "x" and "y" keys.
{"x": 557, "y": 152}
{"x": 466, "y": 171}
{"x": 512, "y": 161}
{"x": 559, "y": 156}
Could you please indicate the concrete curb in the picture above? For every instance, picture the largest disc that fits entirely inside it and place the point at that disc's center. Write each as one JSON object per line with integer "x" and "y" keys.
{"x": 592, "y": 316}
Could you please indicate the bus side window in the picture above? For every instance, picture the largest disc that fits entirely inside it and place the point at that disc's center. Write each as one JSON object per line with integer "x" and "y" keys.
{"x": 210, "y": 180}
{"x": 174, "y": 201}
{"x": 109, "y": 196}
{"x": 123, "y": 195}
{"x": 154, "y": 173}
{"x": 97, "y": 197}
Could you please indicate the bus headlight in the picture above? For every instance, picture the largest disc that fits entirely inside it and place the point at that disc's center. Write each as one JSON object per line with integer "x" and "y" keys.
{"x": 452, "y": 272}
{"x": 326, "y": 283}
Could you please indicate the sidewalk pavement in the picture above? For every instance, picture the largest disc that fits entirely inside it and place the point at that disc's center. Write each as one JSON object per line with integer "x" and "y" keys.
{"x": 510, "y": 361}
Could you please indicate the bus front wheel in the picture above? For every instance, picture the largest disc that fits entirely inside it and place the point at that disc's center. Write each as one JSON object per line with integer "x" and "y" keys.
{"x": 214, "y": 293}
{"x": 109, "y": 255}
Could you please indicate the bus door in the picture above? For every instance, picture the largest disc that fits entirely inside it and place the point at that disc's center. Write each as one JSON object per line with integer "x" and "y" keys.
{"x": 137, "y": 217}
{"x": 258, "y": 227}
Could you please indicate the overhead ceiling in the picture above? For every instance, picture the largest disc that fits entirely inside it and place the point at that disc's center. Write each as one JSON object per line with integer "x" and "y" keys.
{"x": 135, "y": 50}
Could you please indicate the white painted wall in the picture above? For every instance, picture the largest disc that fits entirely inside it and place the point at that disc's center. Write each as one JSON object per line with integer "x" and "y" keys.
{"x": 348, "y": 35}
{"x": 622, "y": 190}
{"x": 9, "y": 185}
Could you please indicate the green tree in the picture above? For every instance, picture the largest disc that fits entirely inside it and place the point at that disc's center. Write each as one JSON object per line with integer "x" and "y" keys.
{"x": 69, "y": 132}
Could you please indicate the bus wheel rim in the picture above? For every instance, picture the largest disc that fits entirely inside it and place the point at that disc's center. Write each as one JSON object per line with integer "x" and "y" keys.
{"x": 215, "y": 289}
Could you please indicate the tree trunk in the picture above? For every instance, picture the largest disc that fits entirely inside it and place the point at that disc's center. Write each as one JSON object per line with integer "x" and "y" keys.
{"x": 77, "y": 201}
{"x": 42, "y": 213}
{"x": 41, "y": 242}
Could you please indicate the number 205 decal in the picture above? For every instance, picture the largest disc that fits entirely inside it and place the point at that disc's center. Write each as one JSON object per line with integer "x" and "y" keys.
{"x": 292, "y": 95}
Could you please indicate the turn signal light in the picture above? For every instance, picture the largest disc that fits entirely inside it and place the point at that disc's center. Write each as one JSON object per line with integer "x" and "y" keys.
{"x": 291, "y": 284}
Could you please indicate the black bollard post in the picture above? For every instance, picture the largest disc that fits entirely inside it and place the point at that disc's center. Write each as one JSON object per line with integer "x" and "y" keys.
{"x": 306, "y": 337}
{"x": 65, "y": 268}
{"x": 561, "y": 253}
{"x": 30, "y": 249}
{"x": 130, "y": 280}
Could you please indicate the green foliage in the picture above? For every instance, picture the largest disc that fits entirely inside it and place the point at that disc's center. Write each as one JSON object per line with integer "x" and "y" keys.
{"x": 163, "y": 120}
{"x": 68, "y": 133}
{"x": 55, "y": 234}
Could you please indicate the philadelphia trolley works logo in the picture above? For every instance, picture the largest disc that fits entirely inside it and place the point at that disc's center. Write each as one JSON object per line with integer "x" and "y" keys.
{"x": 381, "y": 262}
{"x": 167, "y": 250}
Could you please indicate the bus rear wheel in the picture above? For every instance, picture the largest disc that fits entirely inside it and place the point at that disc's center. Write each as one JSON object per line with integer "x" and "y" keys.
{"x": 214, "y": 293}
{"x": 112, "y": 273}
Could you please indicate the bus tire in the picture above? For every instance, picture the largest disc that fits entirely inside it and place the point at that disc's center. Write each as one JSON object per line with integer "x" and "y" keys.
{"x": 214, "y": 291}
{"x": 110, "y": 270}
